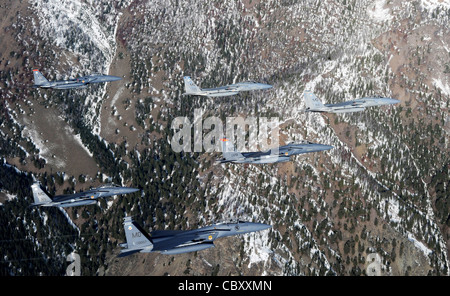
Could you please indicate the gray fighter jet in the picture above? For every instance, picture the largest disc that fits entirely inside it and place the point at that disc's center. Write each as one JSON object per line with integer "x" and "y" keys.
{"x": 270, "y": 156}
{"x": 80, "y": 82}
{"x": 313, "y": 104}
{"x": 78, "y": 199}
{"x": 180, "y": 241}
{"x": 228, "y": 90}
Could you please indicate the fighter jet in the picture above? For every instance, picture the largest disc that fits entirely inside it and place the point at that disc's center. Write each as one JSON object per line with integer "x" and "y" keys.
{"x": 180, "y": 241}
{"x": 78, "y": 199}
{"x": 221, "y": 91}
{"x": 80, "y": 82}
{"x": 270, "y": 156}
{"x": 313, "y": 104}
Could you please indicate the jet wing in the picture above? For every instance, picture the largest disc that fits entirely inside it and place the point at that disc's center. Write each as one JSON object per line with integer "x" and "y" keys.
{"x": 230, "y": 87}
{"x": 90, "y": 79}
{"x": 255, "y": 154}
{"x": 77, "y": 196}
{"x": 165, "y": 233}
{"x": 180, "y": 237}
{"x": 68, "y": 197}
{"x": 69, "y": 85}
{"x": 172, "y": 242}
{"x": 348, "y": 104}
{"x": 286, "y": 149}
{"x": 281, "y": 150}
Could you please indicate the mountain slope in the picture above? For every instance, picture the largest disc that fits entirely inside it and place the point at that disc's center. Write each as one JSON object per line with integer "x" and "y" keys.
{"x": 381, "y": 192}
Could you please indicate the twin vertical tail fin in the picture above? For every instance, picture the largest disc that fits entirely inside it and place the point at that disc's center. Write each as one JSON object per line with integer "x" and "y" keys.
{"x": 229, "y": 152}
{"x": 311, "y": 101}
{"x": 39, "y": 79}
{"x": 40, "y": 197}
{"x": 190, "y": 87}
{"x": 137, "y": 238}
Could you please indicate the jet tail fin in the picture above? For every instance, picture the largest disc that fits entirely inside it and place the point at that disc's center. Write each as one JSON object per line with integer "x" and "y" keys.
{"x": 137, "y": 238}
{"x": 311, "y": 101}
{"x": 39, "y": 79}
{"x": 190, "y": 87}
{"x": 229, "y": 151}
{"x": 40, "y": 197}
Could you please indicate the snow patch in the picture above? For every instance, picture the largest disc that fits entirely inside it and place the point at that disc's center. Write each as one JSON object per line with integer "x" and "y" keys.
{"x": 445, "y": 88}
{"x": 377, "y": 11}
{"x": 433, "y": 4}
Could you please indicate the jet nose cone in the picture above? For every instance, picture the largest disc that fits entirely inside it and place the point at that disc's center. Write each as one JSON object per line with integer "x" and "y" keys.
{"x": 265, "y": 226}
{"x": 114, "y": 78}
{"x": 324, "y": 147}
{"x": 389, "y": 100}
{"x": 128, "y": 190}
{"x": 259, "y": 226}
{"x": 268, "y": 86}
